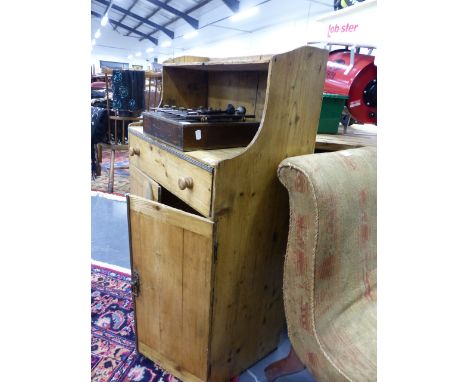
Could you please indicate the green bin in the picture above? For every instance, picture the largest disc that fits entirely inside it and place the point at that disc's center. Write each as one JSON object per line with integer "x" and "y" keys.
{"x": 330, "y": 115}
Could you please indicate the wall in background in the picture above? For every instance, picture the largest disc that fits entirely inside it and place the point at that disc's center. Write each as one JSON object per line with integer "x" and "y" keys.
{"x": 356, "y": 24}
{"x": 134, "y": 61}
{"x": 275, "y": 39}
{"x": 278, "y": 38}
{"x": 293, "y": 34}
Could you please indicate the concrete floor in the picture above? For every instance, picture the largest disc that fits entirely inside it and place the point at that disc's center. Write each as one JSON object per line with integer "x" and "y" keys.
{"x": 109, "y": 244}
{"x": 109, "y": 231}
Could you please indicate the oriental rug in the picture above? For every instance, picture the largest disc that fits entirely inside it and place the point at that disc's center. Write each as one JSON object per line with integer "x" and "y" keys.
{"x": 121, "y": 176}
{"x": 113, "y": 353}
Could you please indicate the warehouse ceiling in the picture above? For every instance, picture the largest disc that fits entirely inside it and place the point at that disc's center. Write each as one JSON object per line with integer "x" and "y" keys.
{"x": 152, "y": 27}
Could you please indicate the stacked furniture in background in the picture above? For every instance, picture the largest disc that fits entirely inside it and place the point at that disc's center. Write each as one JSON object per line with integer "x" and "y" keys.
{"x": 99, "y": 122}
{"x": 128, "y": 93}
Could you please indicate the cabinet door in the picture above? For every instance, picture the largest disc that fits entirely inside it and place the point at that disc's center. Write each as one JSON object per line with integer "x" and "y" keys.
{"x": 142, "y": 185}
{"x": 171, "y": 256}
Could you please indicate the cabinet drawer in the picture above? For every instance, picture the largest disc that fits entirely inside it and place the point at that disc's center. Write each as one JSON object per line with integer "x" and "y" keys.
{"x": 142, "y": 185}
{"x": 187, "y": 181}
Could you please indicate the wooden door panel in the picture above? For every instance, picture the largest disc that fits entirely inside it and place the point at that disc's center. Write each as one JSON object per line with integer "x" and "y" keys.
{"x": 172, "y": 252}
{"x": 142, "y": 185}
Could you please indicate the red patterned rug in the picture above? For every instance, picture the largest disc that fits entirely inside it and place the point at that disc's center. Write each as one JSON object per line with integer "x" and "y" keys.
{"x": 113, "y": 354}
{"x": 121, "y": 176}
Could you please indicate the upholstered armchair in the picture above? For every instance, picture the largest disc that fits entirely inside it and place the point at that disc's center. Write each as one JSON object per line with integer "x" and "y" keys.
{"x": 330, "y": 271}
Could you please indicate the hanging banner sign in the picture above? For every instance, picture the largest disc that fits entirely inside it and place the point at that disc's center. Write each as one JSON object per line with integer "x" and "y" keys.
{"x": 355, "y": 25}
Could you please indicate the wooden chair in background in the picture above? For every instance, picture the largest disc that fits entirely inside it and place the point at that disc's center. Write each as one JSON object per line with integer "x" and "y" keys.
{"x": 117, "y": 127}
{"x": 153, "y": 85}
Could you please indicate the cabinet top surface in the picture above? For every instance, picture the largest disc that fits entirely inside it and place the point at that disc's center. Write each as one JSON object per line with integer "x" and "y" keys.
{"x": 356, "y": 136}
{"x": 206, "y": 157}
{"x": 249, "y": 63}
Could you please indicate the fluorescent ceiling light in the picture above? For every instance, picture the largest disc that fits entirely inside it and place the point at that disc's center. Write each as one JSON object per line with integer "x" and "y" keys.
{"x": 191, "y": 34}
{"x": 244, "y": 14}
{"x": 137, "y": 54}
{"x": 93, "y": 42}
{"x": 97, "y": 34}
{"x": 104, "y": 20}
{"x": 166, "y": 43}
{"x": 130, "y": 56}
{"x": 149, "y": 50}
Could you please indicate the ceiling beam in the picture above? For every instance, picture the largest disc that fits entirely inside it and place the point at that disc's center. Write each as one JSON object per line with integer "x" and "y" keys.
{"x": 139, "y": 18}
{"x": 190, "y": 20}
{"x": 109, "y": 6}
{"x": 147, "y": 17}
{"x": 152, "y": 39}
{"x": 190, "y": 10}
{"x": 194, "y": 8}
{"x": 232, "y": 4}
{"x": 124, "y": 15}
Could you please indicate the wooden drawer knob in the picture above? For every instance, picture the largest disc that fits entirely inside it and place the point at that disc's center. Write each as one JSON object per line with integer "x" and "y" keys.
{"x": 133, "y": 151}
{"x": 186, "y": 182}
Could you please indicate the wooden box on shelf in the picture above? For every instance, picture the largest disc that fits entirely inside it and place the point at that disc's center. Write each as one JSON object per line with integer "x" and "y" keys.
{"x": 208, "y": 228}
{"x": 188, "y": 136}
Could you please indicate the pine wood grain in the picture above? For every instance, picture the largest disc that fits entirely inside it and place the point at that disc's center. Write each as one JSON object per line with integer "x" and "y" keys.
{"x": 355, "y": 137}
{"x": 167, "y": 169}
{"x": 237, "y": 88}
{"x": 246, "y": 63}
{"x": 184, "y": 87}
{"x": 248, "y": 214}
{"x": 172, "y": 251}
{"x": 142, "y": 185}
{"x": 171, "y": 215}
{"x": 213, "y": 157}
{"x": 169, "y": 365}
{"x": 251, "y": 215}
{"x": 185, "y": 59}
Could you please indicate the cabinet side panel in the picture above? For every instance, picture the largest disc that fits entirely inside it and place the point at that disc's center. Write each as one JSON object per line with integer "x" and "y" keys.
{"x": 238, "y": 88}
{"x": 184, "y": 87}
{"x": 252, "y": 215}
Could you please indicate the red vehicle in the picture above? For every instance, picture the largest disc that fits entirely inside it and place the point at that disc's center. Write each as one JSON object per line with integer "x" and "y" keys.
{"x": 354, "y": 74}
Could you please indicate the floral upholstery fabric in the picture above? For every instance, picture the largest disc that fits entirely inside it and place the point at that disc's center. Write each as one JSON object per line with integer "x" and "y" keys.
{"x": 330, "y": 273}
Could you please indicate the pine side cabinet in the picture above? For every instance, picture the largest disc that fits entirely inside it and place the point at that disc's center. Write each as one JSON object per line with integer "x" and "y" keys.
{"x": 208, "y": 228}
